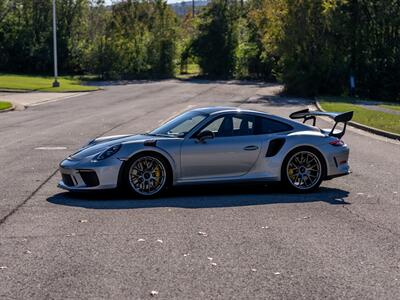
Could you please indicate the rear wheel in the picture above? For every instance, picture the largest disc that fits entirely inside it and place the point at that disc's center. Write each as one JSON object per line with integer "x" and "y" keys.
{"x": 147, "y": 175}
{"x": 303, "y": 170}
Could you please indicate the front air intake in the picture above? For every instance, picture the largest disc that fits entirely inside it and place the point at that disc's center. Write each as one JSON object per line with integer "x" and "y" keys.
{"x": 89, "y": 177}
{"x": 67, "y": 179}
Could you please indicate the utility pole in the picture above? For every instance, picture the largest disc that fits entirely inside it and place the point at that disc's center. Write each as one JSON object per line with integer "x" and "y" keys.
{"x": 193, "y": 8}
{"x": 55, "y": 83}
{"x": 354, "y": 47}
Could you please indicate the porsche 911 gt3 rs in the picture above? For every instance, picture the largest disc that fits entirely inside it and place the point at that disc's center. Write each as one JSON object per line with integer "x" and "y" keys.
{"x": 214, "y": 145}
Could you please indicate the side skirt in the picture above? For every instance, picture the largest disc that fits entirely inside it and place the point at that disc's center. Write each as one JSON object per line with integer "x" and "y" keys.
{"x": 226, "y": 180}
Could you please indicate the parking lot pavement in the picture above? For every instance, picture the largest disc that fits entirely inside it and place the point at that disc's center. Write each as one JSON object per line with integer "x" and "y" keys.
{"x": 222, "y": 242}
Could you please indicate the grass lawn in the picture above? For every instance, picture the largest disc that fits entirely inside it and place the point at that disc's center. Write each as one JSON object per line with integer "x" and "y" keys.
{"x": 192, "y": 70}
{"x": 4, "y": 105}
{"x": 41, "y": 83}
{"x": 377, "y": 119}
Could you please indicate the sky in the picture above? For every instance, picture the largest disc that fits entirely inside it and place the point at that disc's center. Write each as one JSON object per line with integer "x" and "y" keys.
{"x": 169, "y": 1}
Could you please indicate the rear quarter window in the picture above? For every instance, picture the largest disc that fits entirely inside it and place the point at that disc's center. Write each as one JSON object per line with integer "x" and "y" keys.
{"x": 266, "y": 126}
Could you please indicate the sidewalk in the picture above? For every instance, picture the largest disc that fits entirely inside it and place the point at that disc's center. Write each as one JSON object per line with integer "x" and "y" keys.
{"x": 22, "y": 100}
{"x": 379, "y": 108}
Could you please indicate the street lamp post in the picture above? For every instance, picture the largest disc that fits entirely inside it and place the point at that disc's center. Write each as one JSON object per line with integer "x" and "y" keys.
{"x": 55, "y": 83}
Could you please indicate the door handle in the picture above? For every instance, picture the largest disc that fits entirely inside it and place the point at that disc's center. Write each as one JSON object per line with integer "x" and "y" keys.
{"x": 250, "y": 148}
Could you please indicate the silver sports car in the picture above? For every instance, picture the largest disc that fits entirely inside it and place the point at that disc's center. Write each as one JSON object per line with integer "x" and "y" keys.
{"x": 214, "y": 145}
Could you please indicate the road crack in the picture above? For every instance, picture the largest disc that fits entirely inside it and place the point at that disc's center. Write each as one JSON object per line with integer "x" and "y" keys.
{"x": 15, "y": 209}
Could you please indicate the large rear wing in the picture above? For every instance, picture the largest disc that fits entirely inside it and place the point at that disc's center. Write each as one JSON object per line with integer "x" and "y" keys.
{"x": 343, "y": 118}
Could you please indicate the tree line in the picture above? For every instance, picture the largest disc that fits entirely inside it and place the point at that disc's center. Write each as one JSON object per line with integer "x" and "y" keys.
{"x": 131, "y": 39}
{"x": 312, "y": 46}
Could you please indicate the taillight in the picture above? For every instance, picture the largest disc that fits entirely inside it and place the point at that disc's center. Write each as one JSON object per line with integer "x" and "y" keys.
{"x": 337, "y": 143}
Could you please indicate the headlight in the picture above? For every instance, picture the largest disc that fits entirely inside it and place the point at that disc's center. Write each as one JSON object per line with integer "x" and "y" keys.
{"x": 109, "y": 152}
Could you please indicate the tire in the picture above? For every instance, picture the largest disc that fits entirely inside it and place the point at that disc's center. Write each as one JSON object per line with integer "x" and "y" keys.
{"x": 147, "y": 175}
{"x": 303, "y": 170}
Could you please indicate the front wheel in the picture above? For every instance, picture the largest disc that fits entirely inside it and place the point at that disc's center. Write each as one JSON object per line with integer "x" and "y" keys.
{"x": 303, "y": 170}
{"x": 147, "y": 175}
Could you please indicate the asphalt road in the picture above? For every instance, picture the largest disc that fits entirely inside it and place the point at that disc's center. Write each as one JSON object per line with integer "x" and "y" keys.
{"x": 260, "y": 242}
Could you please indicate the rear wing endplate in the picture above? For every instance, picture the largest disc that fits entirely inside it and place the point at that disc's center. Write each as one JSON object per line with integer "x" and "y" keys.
{"x": 343, "y": 118}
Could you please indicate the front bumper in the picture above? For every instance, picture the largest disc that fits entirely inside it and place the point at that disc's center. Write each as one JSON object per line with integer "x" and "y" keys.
{"x": 86, "y": 175}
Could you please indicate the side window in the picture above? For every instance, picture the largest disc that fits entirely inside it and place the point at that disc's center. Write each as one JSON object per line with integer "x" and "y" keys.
{"x": 243, "y": 125}
{"x": 214, "y": 125}
{"x": 232, "y": 125}
{"x": 266, "y": 126}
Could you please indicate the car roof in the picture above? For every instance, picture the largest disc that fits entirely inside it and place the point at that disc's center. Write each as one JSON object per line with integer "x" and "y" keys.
{"x": 216, "y": 110}
{"x": 219, "y": 109}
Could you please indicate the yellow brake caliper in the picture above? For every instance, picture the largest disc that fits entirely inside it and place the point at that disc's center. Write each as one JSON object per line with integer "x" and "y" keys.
{"x": 290, "y": 171}
{"x": 158, "y": 174}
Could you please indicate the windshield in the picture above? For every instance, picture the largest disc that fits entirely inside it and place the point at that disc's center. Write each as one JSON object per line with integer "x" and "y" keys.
{"x": 180, "y": 125}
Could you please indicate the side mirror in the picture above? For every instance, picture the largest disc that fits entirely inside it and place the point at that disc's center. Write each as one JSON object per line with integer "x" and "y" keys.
{"x": 204, "y": 135}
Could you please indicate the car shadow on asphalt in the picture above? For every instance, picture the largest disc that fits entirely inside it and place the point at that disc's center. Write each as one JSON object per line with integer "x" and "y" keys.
{"x": 200, "y": 197}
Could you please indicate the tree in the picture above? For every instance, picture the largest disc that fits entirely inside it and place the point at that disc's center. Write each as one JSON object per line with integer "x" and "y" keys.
{"x": 314, "y": 46}
{"x": 216, "y": 42}
{"x": 136, "y": 40}
{"x": 26, "y": 35}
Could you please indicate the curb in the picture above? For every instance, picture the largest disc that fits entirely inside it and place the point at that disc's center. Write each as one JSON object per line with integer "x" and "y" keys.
{"x": 14, "y": 91}
{"x": 39, "y": 91}
{"x": 8, "y": 109}
{"x": 373, "y": 130}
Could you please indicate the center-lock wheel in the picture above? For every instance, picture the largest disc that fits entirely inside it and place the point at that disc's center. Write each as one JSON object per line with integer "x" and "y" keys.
{"x": 147, "y": 175}
{"x": 303, "y": 170}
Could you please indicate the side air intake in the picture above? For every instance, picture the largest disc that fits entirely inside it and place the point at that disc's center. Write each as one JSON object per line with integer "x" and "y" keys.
{"x": 274, "y": 147}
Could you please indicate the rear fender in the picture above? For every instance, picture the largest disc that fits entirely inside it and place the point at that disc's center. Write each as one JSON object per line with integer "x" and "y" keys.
{"x": 315, "y": 142}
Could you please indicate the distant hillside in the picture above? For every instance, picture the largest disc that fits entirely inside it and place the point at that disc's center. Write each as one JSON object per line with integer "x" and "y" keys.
{"x": 184, "y": 7}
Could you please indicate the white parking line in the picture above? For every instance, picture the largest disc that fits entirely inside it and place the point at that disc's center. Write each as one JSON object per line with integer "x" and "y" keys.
{"x": 51, "y": 148}
{"x": 57, "y": 99}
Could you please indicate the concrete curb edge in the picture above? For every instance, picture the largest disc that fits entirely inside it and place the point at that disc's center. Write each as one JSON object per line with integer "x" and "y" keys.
{"x": 373, "y": 130}
{"x": 8, "y": 109}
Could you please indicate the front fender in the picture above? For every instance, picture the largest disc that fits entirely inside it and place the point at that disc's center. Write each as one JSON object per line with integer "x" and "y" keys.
{"x": 130, "y": 150}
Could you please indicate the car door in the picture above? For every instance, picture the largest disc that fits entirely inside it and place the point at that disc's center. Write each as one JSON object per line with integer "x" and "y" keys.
{"x": 232, "y": 152}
